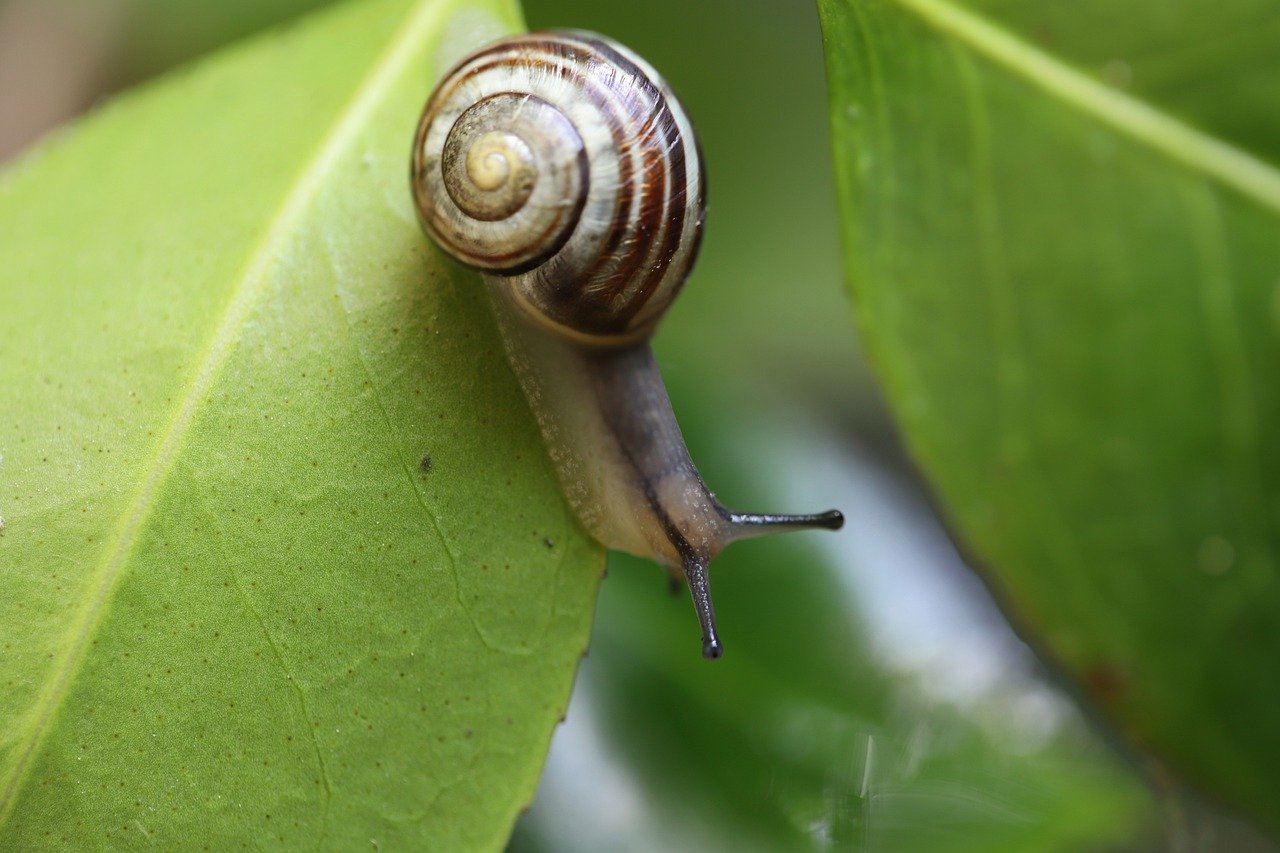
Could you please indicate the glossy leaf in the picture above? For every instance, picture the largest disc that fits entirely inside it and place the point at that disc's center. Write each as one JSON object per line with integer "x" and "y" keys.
{"x": 1060, "y": 230}
{"x": 283, "y": 561}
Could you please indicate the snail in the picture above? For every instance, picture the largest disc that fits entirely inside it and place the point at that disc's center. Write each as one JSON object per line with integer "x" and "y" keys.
{"x": 562, "y": 167}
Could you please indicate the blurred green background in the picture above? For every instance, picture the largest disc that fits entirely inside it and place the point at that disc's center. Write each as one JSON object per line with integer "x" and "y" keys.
{"x": 871, "y": 696}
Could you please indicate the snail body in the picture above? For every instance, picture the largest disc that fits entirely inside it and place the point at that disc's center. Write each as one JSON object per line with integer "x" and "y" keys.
{"x": 561, "y": 166}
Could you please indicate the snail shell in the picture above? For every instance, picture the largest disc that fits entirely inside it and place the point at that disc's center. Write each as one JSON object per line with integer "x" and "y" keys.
{"x": 564, "y": 163}
{"x": 562, "y": 167}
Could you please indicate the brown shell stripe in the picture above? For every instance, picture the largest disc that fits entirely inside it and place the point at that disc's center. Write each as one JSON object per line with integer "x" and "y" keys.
{"x": 596, "y": 309}
{"x": 668, "y": 161}
{"x": 655, "y": 232}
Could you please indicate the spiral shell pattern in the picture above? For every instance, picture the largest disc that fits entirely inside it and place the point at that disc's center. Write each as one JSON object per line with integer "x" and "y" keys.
{"x": 563, "y": 163}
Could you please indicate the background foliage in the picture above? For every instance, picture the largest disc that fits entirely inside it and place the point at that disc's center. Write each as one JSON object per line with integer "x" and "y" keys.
{"x": 870, "y": 696}
{"x": 1084, "y": 355}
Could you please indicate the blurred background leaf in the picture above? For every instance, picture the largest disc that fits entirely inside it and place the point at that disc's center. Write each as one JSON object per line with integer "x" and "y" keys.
{"x": 871, "y": 695}
{"x": 1062, "y": 233}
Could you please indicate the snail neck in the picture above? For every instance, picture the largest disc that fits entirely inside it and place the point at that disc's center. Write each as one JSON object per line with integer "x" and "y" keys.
{"x": 609, "y": 428}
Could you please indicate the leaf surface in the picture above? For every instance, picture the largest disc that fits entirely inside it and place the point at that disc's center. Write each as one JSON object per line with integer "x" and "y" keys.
{"x": 1060, "y": 230}
{"x": 282, "y": 560}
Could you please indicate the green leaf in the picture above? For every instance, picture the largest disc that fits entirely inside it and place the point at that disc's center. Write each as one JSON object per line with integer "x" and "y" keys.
{"x": 283, "y": 560}
{"x": 1060, "y": 229}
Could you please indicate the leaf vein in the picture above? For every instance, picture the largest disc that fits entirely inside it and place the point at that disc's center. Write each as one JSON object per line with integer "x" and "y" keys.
{"x": 408, "y": 469}
{"x": 1233, "y": 167}
{"x": 308, "y": 719}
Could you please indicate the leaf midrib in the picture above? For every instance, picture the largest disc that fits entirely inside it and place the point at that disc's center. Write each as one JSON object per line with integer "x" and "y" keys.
{"x": 1247, "y": 174}
{"x": 252, "y": 281}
